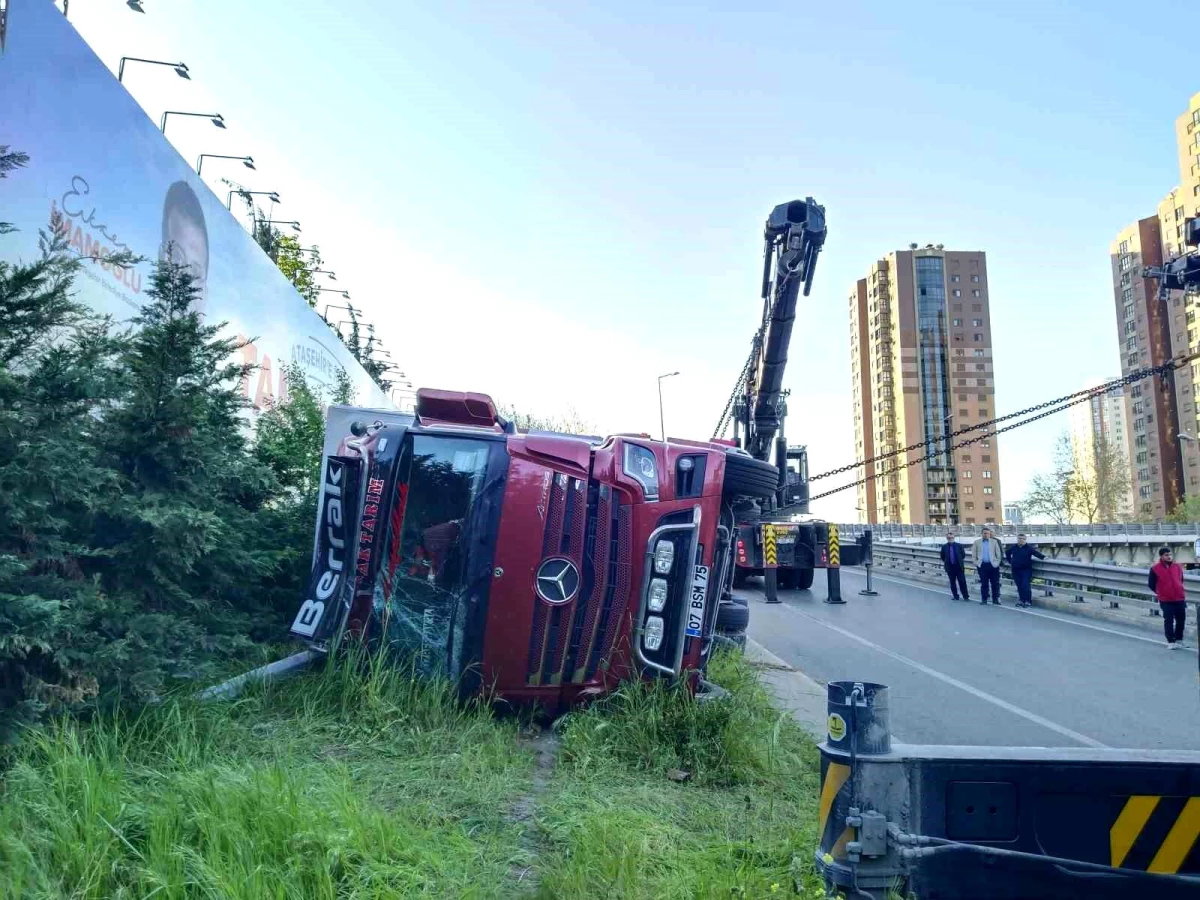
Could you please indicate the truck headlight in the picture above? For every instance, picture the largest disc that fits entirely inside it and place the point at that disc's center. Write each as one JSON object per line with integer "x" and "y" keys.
{"x": 664, "y": 557}
{"x": 657, "y": 595}
{"x": 640, "y": 465}
{"x": 653, "y": 635}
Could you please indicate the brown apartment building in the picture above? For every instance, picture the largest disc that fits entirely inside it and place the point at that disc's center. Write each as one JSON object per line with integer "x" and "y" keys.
{"x": 921, "y": 365}
{"x": 1164, "y": 422}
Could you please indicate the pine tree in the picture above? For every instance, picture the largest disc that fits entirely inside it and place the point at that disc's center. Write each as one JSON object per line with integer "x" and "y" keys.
{"x": 58, "y": 374}
{"x": 185, "y": 545}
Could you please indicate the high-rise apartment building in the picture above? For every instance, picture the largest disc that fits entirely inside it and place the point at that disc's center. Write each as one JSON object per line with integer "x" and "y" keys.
{"x": 1165, "y": 466}
{"x": 1144, "y": 326}
{"x": 921, "y": 366}
{"x": 1100, "y": 447}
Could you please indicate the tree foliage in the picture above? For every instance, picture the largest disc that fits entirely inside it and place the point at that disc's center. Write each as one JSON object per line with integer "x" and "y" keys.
{"x": 1088, "y": 484}
{"x": 567, "y": 422}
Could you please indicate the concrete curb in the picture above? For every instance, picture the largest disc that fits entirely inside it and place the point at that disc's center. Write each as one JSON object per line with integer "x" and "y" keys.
{"x": 794, "y": 691}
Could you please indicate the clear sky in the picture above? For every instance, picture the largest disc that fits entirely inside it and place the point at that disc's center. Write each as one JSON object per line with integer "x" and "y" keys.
{"x": 556, "y": 202}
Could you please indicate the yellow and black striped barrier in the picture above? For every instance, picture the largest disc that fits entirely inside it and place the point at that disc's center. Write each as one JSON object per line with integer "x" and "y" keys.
{"x": 835, "y": 547}
{"x": 1156, "y": 834}
{"x": 770, "y": 550}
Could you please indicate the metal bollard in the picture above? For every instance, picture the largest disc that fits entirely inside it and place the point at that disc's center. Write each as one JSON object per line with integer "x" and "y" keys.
{"x": 868, "y": 558}
{"x": 833, "y": 574}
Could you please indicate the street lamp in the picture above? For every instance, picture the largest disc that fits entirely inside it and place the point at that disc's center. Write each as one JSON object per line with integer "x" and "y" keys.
{"x": 247, "y": 161}
{"x": 661, "y": 422}
{"x": 345, "y": 294}
{"x": 309, "y": 250}
{"x": 181, "y": 69}
{"x": 216, "y": 118}
{"x": 271, "y": 223}
{"x": 332, "y": 277}
{"x": 135, "y": 5}
{"x": 270, "y": 195}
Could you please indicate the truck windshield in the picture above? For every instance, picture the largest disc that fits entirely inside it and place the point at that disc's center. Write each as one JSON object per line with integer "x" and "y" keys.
{"x": 421, "y": 600}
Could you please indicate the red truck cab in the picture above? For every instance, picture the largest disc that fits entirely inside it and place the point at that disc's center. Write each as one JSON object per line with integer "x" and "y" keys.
{"x": 542, "y": 567}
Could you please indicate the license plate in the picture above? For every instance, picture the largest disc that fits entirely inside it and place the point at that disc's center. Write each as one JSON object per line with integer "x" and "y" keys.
{"x": 695, "y": 623}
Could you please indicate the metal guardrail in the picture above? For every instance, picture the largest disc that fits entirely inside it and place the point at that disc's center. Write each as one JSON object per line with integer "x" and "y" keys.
{"x": 1115, "y": 587}
{"x": 1119, "y": 529}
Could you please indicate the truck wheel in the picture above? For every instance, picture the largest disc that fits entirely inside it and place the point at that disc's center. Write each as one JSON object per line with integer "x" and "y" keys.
{"x": 746, "y": 476}
{"x": 804, "y": 579}
{"x": 732, "y": 618}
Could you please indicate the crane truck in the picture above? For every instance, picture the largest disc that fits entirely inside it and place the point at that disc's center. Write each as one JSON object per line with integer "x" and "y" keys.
{"x": 542, "y": 568}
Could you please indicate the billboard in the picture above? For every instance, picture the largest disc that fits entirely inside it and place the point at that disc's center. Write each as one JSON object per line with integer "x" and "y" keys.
{"x": 100, "y": 163}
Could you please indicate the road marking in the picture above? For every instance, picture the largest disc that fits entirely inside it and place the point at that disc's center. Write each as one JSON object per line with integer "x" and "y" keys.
{"x": 1124, "y": 833}
{"x": 1027, "y": 612}
{"x": 954, "y": 682}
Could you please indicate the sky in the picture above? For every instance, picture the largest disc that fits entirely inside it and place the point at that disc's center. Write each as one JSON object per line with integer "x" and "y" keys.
{"x": 554, "y": 203}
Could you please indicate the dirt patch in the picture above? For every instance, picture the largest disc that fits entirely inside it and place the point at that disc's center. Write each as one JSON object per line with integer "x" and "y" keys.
{"x": 543, "y": 743}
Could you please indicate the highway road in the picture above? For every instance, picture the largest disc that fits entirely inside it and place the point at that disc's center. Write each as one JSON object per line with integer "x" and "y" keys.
{"x": 962, "y": 673}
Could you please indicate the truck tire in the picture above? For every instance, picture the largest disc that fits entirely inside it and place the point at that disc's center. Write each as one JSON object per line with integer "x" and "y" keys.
{"x": 732, "y": 618}
{"x": 804, "y": 579}
{"x": 746, "y": 476}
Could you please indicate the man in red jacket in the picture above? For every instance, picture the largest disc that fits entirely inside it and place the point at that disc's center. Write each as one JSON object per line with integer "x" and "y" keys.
{"x": 1166, "y": 580}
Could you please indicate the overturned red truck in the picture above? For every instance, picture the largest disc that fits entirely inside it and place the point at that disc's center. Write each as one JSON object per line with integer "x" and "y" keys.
{"x": 540, "y": 566}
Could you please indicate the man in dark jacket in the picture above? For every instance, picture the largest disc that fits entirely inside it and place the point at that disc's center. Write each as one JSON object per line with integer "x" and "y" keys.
{"x": 952, "y": 561}
{"x": 1166, "y": 580}
{"x": 1020, "y": 557}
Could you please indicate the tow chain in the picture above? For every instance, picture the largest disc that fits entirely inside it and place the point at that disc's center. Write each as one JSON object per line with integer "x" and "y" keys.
{"x": 1086, "y": 393}
{"x": 740, "y": 384}
{"x": 1059, "y": 405}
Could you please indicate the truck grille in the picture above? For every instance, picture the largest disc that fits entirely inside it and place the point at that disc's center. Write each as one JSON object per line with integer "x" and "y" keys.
{"x": 588, "y": 525}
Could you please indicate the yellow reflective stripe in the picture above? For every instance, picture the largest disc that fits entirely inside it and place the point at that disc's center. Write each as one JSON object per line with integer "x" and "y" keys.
{"x": 835, "y": 776}
{"x": 839, "y": 849}
{"x": 1182, "y": 836}
{"x": 1129, "y": 825}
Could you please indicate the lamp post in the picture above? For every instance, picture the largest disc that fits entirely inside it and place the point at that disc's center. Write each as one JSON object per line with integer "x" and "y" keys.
{"x": 271, "y": 195}
{"x": 181, "y": 69}
{"x": 661, "y": 421}
{"x": 271, "y": 223}
{"x": 135, "y": 5}
{"x": 247, "y": 161}
{"x": 216, "y": 118}
{"x": 332, "y": 276}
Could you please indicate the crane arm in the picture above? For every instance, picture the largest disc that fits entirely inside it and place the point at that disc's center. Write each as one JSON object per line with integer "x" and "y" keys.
{"x": 792, "y": 239}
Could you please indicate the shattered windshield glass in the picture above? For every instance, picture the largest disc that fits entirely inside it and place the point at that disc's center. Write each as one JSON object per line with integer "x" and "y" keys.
{"x": 420, "y": 603}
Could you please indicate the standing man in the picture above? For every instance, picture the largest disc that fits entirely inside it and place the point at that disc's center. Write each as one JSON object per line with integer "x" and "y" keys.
{"x": 1020, "y": 558}
{"x": 953, "y": 561}
{"x": 989, "y": 553}
{"x": 1166, "y": 580}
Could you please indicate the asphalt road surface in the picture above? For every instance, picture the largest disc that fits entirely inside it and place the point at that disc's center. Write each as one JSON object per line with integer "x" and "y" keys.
{"x": 962, "y": 673}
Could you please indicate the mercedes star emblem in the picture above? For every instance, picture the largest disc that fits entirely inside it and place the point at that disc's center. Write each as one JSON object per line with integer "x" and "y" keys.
{"x": 557, "y": 581}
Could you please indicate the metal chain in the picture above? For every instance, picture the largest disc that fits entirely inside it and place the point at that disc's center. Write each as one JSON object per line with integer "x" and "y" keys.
{"x": 740, "y": 384}
{"x": 1087, "y": 393}
{"x": 1060, "y": 404}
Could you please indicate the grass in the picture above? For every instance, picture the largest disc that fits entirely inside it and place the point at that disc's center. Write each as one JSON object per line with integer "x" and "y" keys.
{"x": 743, "y": 824}
{"x": 373, "y": 785}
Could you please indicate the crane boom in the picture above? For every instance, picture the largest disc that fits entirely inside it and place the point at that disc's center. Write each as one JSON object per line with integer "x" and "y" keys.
{"x": 792, "y": 239}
